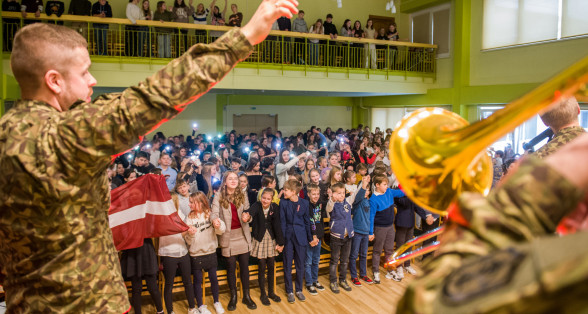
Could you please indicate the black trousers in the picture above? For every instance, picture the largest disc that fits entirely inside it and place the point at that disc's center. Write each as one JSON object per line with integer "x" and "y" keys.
{"x": 340, "y": 249}
{"x": 232, "y": 268}
{"x": 170, "y": 266}
{"x": 137, "y": 286}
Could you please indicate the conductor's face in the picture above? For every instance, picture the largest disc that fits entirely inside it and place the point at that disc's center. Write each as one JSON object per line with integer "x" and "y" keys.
{"x": 78, "y": 81}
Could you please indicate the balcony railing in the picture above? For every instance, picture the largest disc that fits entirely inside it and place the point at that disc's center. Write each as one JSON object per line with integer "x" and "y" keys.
{"x": 157, "y": 42}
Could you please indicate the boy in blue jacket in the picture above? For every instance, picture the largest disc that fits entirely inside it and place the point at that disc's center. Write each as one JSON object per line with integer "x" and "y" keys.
{"x": 295, "y": 222}
{"x": 382, "y": 224}
{"x": 361, "y": 227}
{"x": 341, "y": 234}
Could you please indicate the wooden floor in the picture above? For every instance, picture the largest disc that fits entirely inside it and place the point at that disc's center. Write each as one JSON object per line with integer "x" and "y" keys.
{"x": 373, "y": 298}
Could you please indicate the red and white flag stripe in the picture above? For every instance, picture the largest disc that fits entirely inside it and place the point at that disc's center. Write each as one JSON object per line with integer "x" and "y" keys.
{"x": 142, "y": 209}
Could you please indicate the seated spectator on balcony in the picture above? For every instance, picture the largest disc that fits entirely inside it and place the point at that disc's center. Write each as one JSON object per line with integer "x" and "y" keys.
{"x": 163, "y": 14}
{"x": 135, "y": 35}
{"x": 10, "y": 26}
{"x": 236, "y": 18}
{"x": 217, "y": 19}
{"x": 82, "y": 8}
{"x": 31, "y": 6}
{"x": 183, "y": 13}
{"x": 101, "y": 9}
{"x": 200, "y": 17}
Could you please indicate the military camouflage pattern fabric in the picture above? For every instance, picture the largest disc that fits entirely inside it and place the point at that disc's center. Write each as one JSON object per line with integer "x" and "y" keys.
{"x": 489, "y": 263}
{"x": 56, "y": 246}
{"x": 559, "y": 139}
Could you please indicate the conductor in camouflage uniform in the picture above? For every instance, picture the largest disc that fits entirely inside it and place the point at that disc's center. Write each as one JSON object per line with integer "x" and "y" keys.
{"x": 562, "y": 119}
{"x": 499, "y": 254}
{"x": 56, "y": 249}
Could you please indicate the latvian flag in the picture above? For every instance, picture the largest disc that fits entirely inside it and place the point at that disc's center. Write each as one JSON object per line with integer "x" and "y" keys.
{"x": 142, "y": 209}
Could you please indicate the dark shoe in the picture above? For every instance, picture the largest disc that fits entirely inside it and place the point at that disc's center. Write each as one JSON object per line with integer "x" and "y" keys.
{"x": 344, "y": 285}
{"x": 334, "y": 287}
{"x": 265, "y": 300}
{"x": 232, "y": 301}
{"x": 300, "y": 296}
{"x": 355, "y": 282}
{"x": 318, "y": 286}
{"x": 247, "y": 300}
{"x": 275, "y": 298}
{"x": 291, "y": 298}
{"x": 312, "y": 290}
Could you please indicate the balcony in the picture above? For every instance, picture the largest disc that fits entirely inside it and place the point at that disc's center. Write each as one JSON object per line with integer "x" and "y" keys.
{"x": 151, "y": 42}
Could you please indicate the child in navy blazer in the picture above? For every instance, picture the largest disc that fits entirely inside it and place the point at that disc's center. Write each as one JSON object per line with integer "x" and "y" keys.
{"x": 405, "y": 219}
{"x": 295, "y": 222}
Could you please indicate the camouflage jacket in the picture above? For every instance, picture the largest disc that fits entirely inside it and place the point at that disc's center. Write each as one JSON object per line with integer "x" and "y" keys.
{"x": 496, "y": 258}
{"x": 56, "y": 246}
{"x": 559, "y": 139}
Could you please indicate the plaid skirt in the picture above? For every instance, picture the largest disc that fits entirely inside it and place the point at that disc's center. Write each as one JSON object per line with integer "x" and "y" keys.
{"x": 264, "y": 249}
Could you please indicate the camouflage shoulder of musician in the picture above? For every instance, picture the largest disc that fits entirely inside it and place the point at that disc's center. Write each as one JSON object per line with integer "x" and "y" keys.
{"x": 560, "y": 138}
{"x": 479, "y": 251}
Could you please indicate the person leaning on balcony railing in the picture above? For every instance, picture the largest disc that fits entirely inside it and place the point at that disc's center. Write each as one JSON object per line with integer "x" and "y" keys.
{"x": 56, "y": 144}
{"x": 299, "y": 25}
{"x": 31, "y": 6}
{"x": 135, "y": 35}
{"x": 217, "y": 19}
{"x": 183, "y": 13}
{"x": 101, "y": 9}
{"x": 200, "y": 17}
{"x": 82, "y": 8}
{"x": 236, "y": 18}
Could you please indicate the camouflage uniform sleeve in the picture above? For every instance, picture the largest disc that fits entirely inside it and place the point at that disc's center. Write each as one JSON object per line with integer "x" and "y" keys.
{"x": 113, "y": 123}
{"x": 528, "y": 205}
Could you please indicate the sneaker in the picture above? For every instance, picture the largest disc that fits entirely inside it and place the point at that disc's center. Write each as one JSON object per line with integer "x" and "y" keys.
{"x": 300, "y": 296}
{"x": 334, "y": 287}
{"x": 356, "y": 282}
{"x": 291, "y": 298}
{"x": 400, "y": 272}
{"x": 392, "y": 275}
{"x": 203, "y": 309}
{"x": 377, "y": 277}
{"x": 312, "y": 290}
{"x": 366, "y": 279}
{"x": 218, "y": 307}
{"x": 190, "y": 311}
{"x": 318, "y": 286}
{"x": 344, "y": 285}
{"x": 411, "y": 270}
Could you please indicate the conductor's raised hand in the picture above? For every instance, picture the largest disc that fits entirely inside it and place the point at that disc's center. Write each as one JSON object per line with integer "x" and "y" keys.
{"x": 267, "y": 13}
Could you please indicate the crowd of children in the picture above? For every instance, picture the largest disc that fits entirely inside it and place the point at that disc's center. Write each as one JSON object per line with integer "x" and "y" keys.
{"x": 244, "y": 203}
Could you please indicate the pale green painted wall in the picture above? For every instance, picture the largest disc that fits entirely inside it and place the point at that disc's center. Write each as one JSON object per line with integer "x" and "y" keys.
{"x": 519, "y": 65}
{"x": 202, "y": 111}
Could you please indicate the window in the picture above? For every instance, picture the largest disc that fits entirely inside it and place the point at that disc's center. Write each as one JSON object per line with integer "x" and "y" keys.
{"x": 516, "y": 22}
{"x": 527, "y": 131}
{"x": 432, "y": 26}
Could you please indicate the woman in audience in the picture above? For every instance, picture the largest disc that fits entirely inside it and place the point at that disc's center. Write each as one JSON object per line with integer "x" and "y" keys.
{"x": 254, "y": 178}
{"x": 346, "y": 29}
{"x": 217, "y": 19}
{"x": 223, "y": 155}
{"x": 370, "y": 33}
{"x": 183, "y": 13}
{"x": 286, "y": 162}
{"x": 200, "y": 17}
{"x": 147, "y": 13}
{"x": 228, "y": 205}
{"x": 314, "y": 54}
{"x": 393, "y": 36}
{"x": 361, "y": 155}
